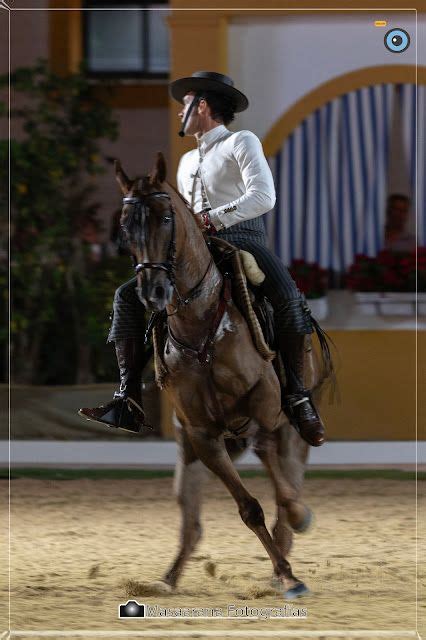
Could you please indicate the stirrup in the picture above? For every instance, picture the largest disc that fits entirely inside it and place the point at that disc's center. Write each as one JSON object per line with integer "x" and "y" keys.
{"x": 120, "y": 413}
{"x": 291, "y": 400}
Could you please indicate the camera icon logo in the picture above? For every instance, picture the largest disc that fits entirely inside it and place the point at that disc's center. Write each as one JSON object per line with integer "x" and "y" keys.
{"x": 397, "y": 40}
{"x": 131, "y": 609}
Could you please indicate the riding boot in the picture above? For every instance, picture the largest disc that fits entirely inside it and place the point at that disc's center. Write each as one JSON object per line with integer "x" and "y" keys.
{"x": 298, "y": 403}
{"x": 125, "y": 411}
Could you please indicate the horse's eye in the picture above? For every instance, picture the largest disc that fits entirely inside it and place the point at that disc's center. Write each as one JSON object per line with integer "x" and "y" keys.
{"x": 166, "y": 219}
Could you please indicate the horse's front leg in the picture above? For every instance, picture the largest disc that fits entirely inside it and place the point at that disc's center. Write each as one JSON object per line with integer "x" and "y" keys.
{"x": 189, "y": 476}
{"x": 212, "y": 451}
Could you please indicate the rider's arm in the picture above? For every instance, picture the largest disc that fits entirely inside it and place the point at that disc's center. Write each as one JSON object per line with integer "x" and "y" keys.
{"x": 259, "y": 196}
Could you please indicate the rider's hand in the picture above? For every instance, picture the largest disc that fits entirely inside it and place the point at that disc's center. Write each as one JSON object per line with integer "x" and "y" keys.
{"x": 204, "y": 218}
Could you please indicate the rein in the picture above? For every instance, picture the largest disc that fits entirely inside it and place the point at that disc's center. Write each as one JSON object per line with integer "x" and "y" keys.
{"x": 203, "y": 354}
{"x": 192, "y": 293}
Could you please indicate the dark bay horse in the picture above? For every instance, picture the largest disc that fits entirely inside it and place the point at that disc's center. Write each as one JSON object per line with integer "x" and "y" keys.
{"x": 216, "y": 379}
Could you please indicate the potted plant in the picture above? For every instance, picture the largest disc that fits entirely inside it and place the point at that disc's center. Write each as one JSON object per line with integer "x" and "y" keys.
{"x": 312, "y": 280}
{"x": 387, "y": 283}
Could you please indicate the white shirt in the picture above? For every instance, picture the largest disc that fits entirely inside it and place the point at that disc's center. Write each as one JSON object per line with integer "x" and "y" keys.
{"x": 232, "y": 171}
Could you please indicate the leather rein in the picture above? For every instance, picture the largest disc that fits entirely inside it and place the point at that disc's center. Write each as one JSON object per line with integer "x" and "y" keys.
{"x": 203, "y": 354}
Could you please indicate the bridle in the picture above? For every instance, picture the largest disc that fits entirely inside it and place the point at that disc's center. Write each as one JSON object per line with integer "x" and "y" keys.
{"x": 169, "y": 265}
{"x": 141, "y": 211}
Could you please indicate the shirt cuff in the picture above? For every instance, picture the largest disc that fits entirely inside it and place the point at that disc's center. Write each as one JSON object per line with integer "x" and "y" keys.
{"x": 215, "y": 220}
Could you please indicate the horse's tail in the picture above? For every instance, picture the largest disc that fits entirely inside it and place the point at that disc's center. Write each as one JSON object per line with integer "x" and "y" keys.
{"x": 329, "y": 370}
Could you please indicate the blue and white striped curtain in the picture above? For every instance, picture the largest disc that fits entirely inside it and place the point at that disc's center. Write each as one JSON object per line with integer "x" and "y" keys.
{"x": 415, "y": 154}
{"x": 331, "y": 177}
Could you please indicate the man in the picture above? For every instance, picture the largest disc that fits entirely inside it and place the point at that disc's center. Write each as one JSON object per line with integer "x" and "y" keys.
{"x": 397, "y": 237}
{"x": 229, "y": 184}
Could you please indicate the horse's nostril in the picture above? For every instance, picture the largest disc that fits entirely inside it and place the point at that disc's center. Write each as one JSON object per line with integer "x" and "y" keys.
{"x": 159, "y": 292}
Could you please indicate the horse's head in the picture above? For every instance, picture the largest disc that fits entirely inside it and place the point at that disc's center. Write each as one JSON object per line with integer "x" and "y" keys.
{"x": 148, "y": 223}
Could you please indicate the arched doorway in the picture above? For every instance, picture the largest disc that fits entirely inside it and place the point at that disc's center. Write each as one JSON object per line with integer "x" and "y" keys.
{"x": 331, "y": 157}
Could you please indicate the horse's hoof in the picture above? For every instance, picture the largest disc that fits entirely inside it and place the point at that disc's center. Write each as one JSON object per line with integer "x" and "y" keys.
{"x": 160, "y": 587}
{"x": 306, "y": 522}
{"x": 276, "y": 583}
{"x": 300, "y": 589}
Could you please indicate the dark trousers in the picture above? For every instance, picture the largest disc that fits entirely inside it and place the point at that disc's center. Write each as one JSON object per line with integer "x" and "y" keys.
{"x": 128, "y": 313}
{"x": 292, "y": 314}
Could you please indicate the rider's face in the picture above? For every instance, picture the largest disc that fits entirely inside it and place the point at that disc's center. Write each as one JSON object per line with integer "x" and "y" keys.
{"x": 194, "y": 124}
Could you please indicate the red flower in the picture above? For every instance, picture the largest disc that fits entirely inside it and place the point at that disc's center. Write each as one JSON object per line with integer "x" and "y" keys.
{"x": 389, "y": 271}
{"x": 310, "y": 278}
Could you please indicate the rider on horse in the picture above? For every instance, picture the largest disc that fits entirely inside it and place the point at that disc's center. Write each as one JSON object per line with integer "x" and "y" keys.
{"x": 229, "y": 185}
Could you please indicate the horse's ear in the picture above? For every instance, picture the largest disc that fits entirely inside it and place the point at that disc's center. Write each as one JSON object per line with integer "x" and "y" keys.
{"x": 158, "y": 173}
{"x": 122, "y": 179}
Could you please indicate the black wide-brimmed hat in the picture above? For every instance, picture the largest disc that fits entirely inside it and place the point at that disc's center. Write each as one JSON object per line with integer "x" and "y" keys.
{"x": 208, "y": 81}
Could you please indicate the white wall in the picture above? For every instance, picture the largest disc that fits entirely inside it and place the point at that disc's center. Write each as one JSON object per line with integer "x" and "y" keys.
{"x": 276, "y": 61}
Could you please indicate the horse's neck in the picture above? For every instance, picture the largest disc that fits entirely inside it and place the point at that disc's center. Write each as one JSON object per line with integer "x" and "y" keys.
{"x": 193, "y": 262}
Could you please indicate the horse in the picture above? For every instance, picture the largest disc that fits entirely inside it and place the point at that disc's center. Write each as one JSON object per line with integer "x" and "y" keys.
{"x": 214, "y": 376}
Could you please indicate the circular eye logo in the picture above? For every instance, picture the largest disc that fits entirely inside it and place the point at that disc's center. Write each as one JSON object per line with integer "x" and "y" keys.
{"x": 397, "y": 40}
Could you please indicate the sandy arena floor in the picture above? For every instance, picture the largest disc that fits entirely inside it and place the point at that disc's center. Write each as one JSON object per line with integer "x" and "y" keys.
{"x": 78, "y": 546}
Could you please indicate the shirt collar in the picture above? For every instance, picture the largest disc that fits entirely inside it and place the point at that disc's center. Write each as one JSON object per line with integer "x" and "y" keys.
{"x": 210, "y": 137}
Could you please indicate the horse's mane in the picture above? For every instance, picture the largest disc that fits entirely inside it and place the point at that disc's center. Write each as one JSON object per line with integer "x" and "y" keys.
{"x": 187, "y": 205}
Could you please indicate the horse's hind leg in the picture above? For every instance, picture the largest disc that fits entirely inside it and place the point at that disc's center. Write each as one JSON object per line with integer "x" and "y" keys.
{"x": 212, "y": 451}
{"x": 189, "y": 476}
{"x": 292, "y": 454}
{"x": 291, "y": 512}
{"x": 281, "y": 531}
